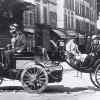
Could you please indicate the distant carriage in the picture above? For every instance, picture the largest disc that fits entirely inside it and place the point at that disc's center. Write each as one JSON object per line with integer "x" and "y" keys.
{"x": 90, "y": 65}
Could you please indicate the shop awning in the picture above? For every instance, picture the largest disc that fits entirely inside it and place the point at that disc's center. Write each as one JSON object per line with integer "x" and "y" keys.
{"x": 59, "y": 33}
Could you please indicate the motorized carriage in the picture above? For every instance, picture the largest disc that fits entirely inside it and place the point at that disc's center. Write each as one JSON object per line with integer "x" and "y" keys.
{"x": 34, "y": 67}
{"x": 90, "y": 65}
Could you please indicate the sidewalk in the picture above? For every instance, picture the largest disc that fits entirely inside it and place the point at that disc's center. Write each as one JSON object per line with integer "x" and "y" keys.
{"x": 74, "y": 78}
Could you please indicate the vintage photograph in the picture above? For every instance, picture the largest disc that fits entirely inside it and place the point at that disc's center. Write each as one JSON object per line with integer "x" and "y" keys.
{"x": 49, "y": 49}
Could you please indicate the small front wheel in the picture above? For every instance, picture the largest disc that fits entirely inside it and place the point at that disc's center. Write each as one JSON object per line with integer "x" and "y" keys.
{"x": 34, "y": 78}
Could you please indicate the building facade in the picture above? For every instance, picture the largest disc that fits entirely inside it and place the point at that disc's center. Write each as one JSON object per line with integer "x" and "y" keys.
{"x": 42, "y": 11}
{"x": 77, "y": 15}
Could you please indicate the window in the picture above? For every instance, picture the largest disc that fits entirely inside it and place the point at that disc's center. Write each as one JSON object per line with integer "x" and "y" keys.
{"x": 45, "y": 1}
{"x": 53, "y": 1}
{"x": 45, "y": 14}
{"x": 68, "y": 20}
{"x": 72, "y": 21}
{"x": 65, "y": 21}
{"x": 31, "y": 16}
{"x": 72, "y": 5}
{"x": 37, "y": 14}
{"x": 26, "y": 18}
{"x": 83, "y": 10}
{"x": 37, "y": 0}
{"x": 53, "y": 18}
{"x": 87, "y": 12}
{"x": 77, "y": 25}
{"x": 77, "y": 7}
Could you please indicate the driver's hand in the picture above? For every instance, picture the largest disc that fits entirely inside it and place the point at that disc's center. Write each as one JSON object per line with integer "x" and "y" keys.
{"x": 91, "y": 54}
{"x": 8, "y": 46}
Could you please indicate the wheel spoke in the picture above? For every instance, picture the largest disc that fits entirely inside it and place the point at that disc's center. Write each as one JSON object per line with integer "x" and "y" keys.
{"x": 98, "y": 78}
{"x": 41, "y": 83}
{"x": 39, "y": 72}
{"x": 98, "y": 71}
{"x": 27, "y": 82}
{"x": 28, "y": 74}
{"x": 30, "y": 71}
{"x": 98, "y": 74}
{"x": 33, "y": 86}
{"x": 41, "y": 75}
{"x": 34, "y": 71}
{"x": 43, "y": 79}
{"x": 93, "y": 79}
{"x": 34, "y": 79}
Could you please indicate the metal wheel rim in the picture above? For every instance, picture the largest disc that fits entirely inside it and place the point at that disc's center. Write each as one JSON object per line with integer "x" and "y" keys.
{"x": 97, "y": 75}
{"x": 34, "y": 79}
{"x": 1, "y": 80}
{"x": 93, "y": 80}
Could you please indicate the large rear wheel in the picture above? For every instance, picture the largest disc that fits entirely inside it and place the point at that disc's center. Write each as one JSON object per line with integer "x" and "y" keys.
{"x": 34, "y": 78}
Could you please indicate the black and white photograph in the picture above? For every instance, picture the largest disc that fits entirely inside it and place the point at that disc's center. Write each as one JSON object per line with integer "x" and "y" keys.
{"x": 49, "y": 49}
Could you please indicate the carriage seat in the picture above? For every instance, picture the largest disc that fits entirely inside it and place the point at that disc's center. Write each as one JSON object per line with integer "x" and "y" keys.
{"x": 23, "y": 55}
{"x": 89, "y": 60}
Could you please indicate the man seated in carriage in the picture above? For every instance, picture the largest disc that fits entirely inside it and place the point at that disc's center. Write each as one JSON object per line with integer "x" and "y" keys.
{"x": 72, "y": 51}
{"x": 75, "y": 57}
{"x": 18, "y": 42}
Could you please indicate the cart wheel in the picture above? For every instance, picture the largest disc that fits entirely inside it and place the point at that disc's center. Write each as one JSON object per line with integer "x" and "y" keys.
{"x": 97, "y": 75}
{"x": 1, "y": 80}
{"x": 93, "y": 80}
{"x": 34, "y": 79}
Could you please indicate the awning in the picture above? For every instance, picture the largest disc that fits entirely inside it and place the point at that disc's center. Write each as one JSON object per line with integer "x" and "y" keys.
{"x": 59, "y": 33}
{"x": 71, "y": 34}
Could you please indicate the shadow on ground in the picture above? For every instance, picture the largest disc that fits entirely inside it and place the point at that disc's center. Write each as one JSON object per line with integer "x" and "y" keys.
{"x": 62, "y": 89}
{"x": 11, "y": 88}
{"x": 50, "y": 89}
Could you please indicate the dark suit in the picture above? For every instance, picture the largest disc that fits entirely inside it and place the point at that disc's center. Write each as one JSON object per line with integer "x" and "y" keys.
{"x": 20, "y": 43}
{"x": 19, "y": 46}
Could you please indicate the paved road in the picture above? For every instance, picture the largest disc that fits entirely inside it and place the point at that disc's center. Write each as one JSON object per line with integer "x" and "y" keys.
{"x": 74, "y": 86}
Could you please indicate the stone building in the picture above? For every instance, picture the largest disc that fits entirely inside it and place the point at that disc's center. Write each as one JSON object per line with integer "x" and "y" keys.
{"x": 77, "y": 15}
{"x": 42, "y": 11}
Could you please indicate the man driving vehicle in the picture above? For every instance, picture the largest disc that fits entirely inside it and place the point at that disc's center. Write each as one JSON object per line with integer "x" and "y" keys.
{"x": 18, "y": 41}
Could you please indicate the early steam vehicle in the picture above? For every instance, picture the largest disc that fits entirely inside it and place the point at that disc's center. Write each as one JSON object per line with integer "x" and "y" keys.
{"x": 38, "y": 65}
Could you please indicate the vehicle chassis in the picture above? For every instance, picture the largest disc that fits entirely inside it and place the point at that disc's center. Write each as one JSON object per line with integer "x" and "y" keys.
{"x": 33, "y": 75}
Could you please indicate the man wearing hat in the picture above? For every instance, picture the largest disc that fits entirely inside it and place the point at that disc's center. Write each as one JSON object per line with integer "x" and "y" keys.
{"x": 18, "y": 41}
{"x": 72, "y": 50}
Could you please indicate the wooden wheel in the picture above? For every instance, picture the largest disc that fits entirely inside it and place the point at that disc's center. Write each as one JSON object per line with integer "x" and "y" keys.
{"x": 97, "y": 75}
{"x": 1, "y": 80}
{"x": 34, "y": 78}
{"x": 93, "y": 79}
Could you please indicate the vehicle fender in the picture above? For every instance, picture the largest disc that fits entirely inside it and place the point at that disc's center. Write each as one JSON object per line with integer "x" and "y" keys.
{"x": 95, "y": 64}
